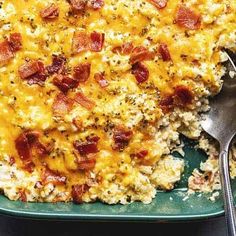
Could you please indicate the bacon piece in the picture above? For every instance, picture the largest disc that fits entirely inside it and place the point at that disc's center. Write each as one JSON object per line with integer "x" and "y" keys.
{"x": 23, "y": 146}
{"x": 33, "y": 71}
{"x": 187, "y": 18}
{"x": 97, "y": 41}
{"x": 80, "y": 42}
{"x": 140, "y": 72}
{"x": 78, "y": 5}
{"x": 82, "y": 72}
{"x": 49, "y": 176}
{"x": 78, "y": 192}
{"x": 50, "y": 12}
{"x": 100, "y": 79}
{"x": 22, "y": 195}
{"x": 84, "y": 101}
{"x": 15, "y": 42}
{"x": 140, "y": 54}
{"x": 86, "y": 162}
{"x": 121, "y": 138}
{"x": 167, "y": 103}
{"x": 85, "y": 148}
{"x": 62, "y": 105}
{"x": 141, "y": 154}
{"x": 5, "y": 52}
{"x": 184, "y": 95}
{"x": 124, "y": 49}
{"x": 159, "y": 4}
{"x": 164, "y": 51}
{"x": 65, "y": 82}
{"x": 95, "y": 4}
{"x": 57, "y": 66}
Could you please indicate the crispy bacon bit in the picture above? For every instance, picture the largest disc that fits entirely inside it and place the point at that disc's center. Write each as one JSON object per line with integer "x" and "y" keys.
{"x": 140, "y": 54}
{"x": 121, "y": 138}
{"x": 80, "y": 42}
{"x": 100, "y": 79}
{"x": 22, "y": 195}
{"x": 82, "y": 72}
{"x": 15, "y": 42}
{"x": 29, "y": 166}
{"x": 97, "y": 41}
{"x": 33, "y": 71}
{"x": 140, "y": 72}
{"x": 50, "y": 12}
{"x": 86, "y": 162}
{"x": 84, "y": 101}
{"x": 62, "y": 105}
{"x": 159, "y": 4}
{"x": 5, "y": 52}
{"x": 22, "y": 145}
{"x": 78, "y": 5}
{"x": 187, "y": 18}
{"x": 57, "y": 66}
{"x": 167, "y": 103}
{"x": 49, "y": 176}
{"x": 78, "y": 192}
{"x": 183, "y": 95}
{"x": 28, "y": 140}
{"x": 65, "y": 82}
{"x": 90, "y": 146}
{"x": 124, "y": 49}
{"x": 164, "y": 51}
{"x": 142, "y": 153}
{"x": 95, "y": 4}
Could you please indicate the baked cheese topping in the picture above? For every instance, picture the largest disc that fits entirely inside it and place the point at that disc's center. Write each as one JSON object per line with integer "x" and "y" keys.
{"x": 95, "y": 93}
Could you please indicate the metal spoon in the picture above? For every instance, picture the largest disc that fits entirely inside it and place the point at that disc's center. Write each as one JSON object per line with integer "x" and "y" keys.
{"x": 220, "y": 123}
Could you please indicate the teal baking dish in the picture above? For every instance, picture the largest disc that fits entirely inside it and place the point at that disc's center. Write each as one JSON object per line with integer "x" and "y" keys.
{"x": 167, "y": 206}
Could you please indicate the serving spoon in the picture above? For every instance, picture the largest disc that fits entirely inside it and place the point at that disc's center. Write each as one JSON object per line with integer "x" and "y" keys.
{"x": 220, "y": 123}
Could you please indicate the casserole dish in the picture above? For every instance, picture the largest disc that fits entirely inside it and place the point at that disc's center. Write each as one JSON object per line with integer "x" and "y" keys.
{"x": 167, "y": 206}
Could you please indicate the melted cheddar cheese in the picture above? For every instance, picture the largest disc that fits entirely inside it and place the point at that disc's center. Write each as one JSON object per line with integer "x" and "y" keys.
{"x": 144, "y": 162}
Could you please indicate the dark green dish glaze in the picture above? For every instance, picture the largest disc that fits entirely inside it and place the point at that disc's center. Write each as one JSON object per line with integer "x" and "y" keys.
{"x": 167, "y": 206}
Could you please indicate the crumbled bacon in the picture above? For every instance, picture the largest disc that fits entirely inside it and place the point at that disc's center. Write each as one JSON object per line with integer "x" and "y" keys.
{"x": 164, "y": 51}
{"x": 33, "y": 71}
{"x": 80, "y": 42}
{"x": 187, "y": 18}
{"x": 50, "y": 12}
{"x": 78, "y": 192}
{"x": 184, "y": 95}
{"x": 49, "y": 176}
{"x": 28, "y": 140}
{"x": 85, "y": 148}
{"x": 97, "y": 41}
{"x": 62, "y": 105}
{"x": 159, "y": 4}
{"x": 142, "y": 153}
{"x": 121, "y": 137}
{"x": 78, "y": 5}
{"x": 22, "y": 195}
{"x": 86, "y": 162}
{"x": 29, "y": 166}
{"x": 167, "y": 103}
{"x": 95, "y": 4}
{"x": 5, "y": 52}
{"x": 140, "y": 54}
{"x": 101, "y": 80}
{"x": 84, "y": 101}
{"x": 124, "y": 49}
{"x": 140, "y": 72}
{"x": 57, "y": 66}
{"x": 15, "y": 42}
{"x": 65, "y": 82}
{"x": 82, "y": 72}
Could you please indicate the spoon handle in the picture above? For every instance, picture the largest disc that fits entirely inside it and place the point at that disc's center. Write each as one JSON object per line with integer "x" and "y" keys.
{"x": 227, "y": 193}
